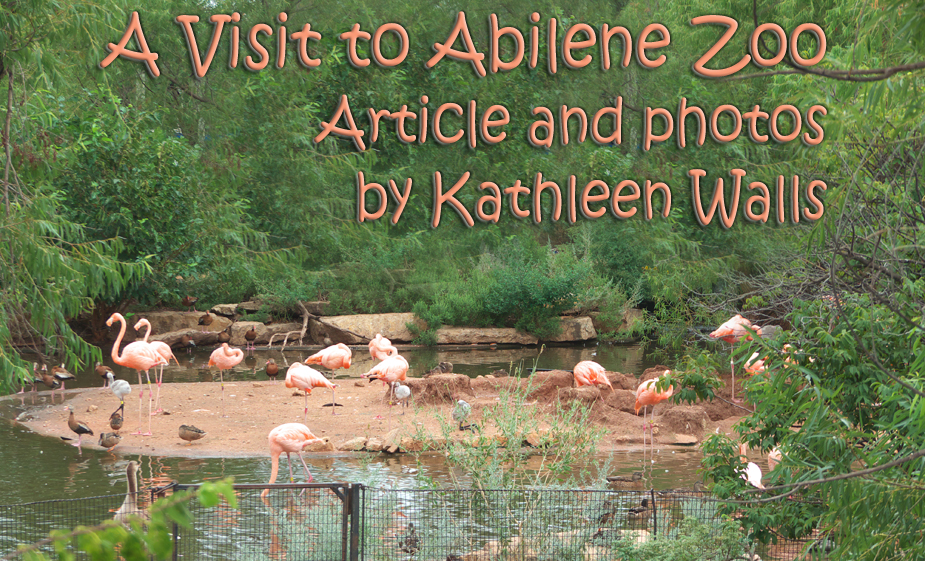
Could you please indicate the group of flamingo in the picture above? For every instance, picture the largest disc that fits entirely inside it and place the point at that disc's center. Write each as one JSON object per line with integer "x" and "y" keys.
{"x": 293, "y": 438}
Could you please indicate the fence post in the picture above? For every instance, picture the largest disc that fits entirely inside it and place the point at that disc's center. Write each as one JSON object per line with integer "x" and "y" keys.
{"x": 176, "y": 544}
{"x": 356, "y": 509}
{"x": 654, "y": 515}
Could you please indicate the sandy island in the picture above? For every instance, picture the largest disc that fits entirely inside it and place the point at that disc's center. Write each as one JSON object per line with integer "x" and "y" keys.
{"x": 253, "y": 408}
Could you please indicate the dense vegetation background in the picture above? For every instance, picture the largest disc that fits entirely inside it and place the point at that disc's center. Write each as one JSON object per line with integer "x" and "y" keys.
{"x": 123, "y": 189}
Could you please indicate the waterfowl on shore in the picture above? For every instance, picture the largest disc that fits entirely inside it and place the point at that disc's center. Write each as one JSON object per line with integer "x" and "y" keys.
{"x": 205, "y": 320}
{"x": 225, "y": 335}
{"x": 77, "y": 427}
{"x": 50, "y": 381}
{"x": 110, "y": 440}
{"x": 190, "y": 303}
{"x": 102, "y": 371}
{"x": 116, "y": 419}
{"x": 411, "y": 542}
{"x": 272, "y": 369}
{"x": 61, "y": 374}
{"x": 461, "y": 413}
{"x": 190, "y": 433}
{"x": 402, "y": 394}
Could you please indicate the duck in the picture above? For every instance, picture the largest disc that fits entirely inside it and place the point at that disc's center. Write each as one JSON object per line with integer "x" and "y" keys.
{"x": 187, "y": 343}
{"x": 190, "y": 302}
{"x": 79, "y": 428}
{"x": 609, "y": 512}
{"x": 110, "y": 440}
{"x": 205, "y": 320}
{"x": 190, "y": 433}
{"x": 411, "y": 542}
{"x": 225, "y": 336}
{"x": 116, "y": 419}
{"x": 129, "y": 506}
{"x": 102, "y": 372}
{"x": 272, "y": 369}
{"x": 640, "y": 512}
{"x": 637, "y": 476}
{"x": 250, "y": 336}
{"x": 61, "y": 374}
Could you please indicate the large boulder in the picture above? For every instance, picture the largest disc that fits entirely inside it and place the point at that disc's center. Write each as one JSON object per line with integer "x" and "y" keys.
{"x": 165, "y": 322}
{"x": 629, "y": 320}
{"x": 264, "y": 332}
{"x": 484, "y": 335}
{"x": 360, "y": 328}
{"x": 575, "y": 329}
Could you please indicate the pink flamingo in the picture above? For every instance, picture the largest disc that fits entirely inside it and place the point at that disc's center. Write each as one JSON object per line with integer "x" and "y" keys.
{"x": 162, "y": 349}
{"x": 139, "y": 356}
{"x": 393, "y": 369}
{"x": 774, "y": 458}
{"x": 646, "y": 395}
{"x": 305, "y": 378}
{"x": 332, "y": 358}
{"x": 381, "y": 348}
{"x": 225, "y": 358}
{"x": 733, "y": 331}
{"x": 589, "y": 373}
{"x": 288, "y": 438}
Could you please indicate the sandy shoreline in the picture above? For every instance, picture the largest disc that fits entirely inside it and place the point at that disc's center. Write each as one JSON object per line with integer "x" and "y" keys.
{"x": 253, "y": 408}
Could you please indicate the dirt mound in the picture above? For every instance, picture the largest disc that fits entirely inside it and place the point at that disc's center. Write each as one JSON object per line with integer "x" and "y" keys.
{"x": 622, "y": 381}
{"x": 440, "y": 388}
{"x": 686, "y": 419}
{"x": 587, "y": 395}
{"x": 654, "y": 372}
{"x": 621, "y": 400}
{"x": 547, "y": 385}
{"x": 493, "y": 385}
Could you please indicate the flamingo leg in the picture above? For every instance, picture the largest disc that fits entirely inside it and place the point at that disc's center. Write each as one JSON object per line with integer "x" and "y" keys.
{"x": 732, "y": 367}
{"x": 305, "y": 416}
{"x": 150, "y": 401}
{"x": 333, "y": 405}
{"x": 141, "y": 394}
{"x": 221, "y": 375}
{"x": 289, "y": 460}
{"x": 307, "y": 471}
{"x": 157, "y": 400}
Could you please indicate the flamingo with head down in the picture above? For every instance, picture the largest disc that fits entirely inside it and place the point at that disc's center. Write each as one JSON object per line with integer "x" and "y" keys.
{"x": 393, "y": 369}
{"x": 138, "y": 356}
{"x": 162, "y": 349}
{"x": 305, "y": 378}
{"x": 590, "y": 373}
{"x": 381, "y": 348}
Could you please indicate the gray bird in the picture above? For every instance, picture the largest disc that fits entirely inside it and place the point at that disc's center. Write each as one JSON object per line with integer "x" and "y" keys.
{"x": 461, "y": 413}
{"x": 402, "y": 394}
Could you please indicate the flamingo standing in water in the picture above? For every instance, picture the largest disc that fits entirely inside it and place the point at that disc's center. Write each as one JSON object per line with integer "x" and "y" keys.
{"x": 305, "y": 378}
{"x": 646, "y": 395}
{"x": 393, "y": 369}
{"x": 381, "y": 348}
{"x": 162, "y": 349}
{"x": 589, "y": 373}
{"x": 225, "y": 358}
{"x": 288, "y": 438}
{"x": 138, "y": 356}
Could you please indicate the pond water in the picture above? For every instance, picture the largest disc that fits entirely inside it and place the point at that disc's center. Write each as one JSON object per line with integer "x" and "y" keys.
{"x": 39, "y": 468}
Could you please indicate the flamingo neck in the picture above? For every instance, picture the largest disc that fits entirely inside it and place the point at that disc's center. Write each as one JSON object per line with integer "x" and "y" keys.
{"x": 146, "y": 323}
{"x": 115, "y": 346}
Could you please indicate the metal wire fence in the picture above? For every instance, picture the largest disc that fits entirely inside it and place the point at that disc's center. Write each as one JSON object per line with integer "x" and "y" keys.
{"x": 354, "y": 522}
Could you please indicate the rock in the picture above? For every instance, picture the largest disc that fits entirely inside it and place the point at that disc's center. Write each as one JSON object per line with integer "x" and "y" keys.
{"x": 391, "y": 326}
{"x": 353, "y": 445}
{"x": 629, "y": 320}
{"x": 167, "y": 322}
{"x": 391, "y": 441}
{"x": 275, "y": 331}
{"x": 250, "y": 307}
{"x": 324, "y": 445}
{"x": 689, "y": 420}
{"x": 374, "y": 445}
{"x": 575, "y": 329}
{"x": 409, "y": 444}
{"x": 227, "y": 310}
{"x": 92, "y": 408}
{"x": 652, "y": 373}
{"x": 316, "y": 308}
{"x": 172, "y": 338}
{"x": 475, "y": 335}
{"x": 533, "y": 439}
{"x": 682, "y": 440}
{"x": 360, "y": 383}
